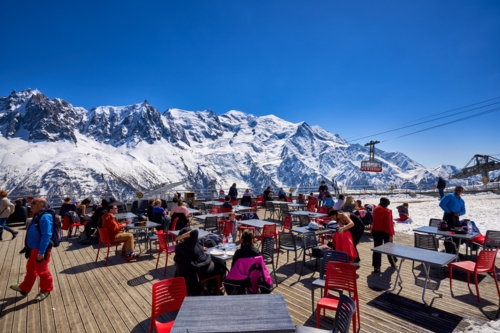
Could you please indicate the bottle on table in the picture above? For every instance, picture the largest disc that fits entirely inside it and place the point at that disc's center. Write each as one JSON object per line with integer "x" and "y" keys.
{"x": 230, "y": 239}
{"x": 469, "y": 227}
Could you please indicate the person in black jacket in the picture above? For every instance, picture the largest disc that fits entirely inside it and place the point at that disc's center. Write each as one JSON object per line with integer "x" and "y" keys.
{"x": 441, "y": 185}
{"x": 91, "y": 226}
{"x": 246, "y": 250}
{"x": 66, "y": 206}
{"x": 233, "y": 192}
{"x": 191, "y": 261}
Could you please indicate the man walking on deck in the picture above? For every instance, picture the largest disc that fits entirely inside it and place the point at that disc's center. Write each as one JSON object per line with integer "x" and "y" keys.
{"x": 441, "y": 185}
{"x": 37, "y": 249}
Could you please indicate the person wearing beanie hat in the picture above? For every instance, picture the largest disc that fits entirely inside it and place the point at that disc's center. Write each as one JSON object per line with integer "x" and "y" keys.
{"x": 382, "y": 232}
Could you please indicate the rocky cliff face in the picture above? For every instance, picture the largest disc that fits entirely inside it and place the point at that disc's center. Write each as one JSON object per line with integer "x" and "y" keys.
{"x": 125, "y": 149}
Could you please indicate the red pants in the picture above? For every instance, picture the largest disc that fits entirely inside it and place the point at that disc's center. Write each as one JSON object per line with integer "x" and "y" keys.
{"x": 34, "y": 269}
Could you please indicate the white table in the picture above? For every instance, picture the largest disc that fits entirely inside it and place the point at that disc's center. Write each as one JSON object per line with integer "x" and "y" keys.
{"x": 255, "y": 223}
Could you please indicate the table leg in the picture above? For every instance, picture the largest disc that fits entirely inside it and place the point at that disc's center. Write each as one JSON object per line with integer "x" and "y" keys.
{"x": 428, "y": 279}
{"x": 399, "y": 279}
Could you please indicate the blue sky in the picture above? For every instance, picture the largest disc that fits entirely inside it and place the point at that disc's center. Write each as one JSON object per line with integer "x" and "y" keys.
{"x": 351, "y": 67}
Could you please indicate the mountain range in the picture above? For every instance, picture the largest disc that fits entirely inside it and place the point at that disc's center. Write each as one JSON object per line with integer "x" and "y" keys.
{"x": 49, "y": 147}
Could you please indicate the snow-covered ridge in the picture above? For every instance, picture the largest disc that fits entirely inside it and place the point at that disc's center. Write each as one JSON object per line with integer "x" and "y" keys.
{"x": 124, "y": 149}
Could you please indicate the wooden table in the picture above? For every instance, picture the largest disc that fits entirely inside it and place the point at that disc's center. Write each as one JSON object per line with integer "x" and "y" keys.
{"x": 426, "y": 257}
{"x": 237, "y": 313}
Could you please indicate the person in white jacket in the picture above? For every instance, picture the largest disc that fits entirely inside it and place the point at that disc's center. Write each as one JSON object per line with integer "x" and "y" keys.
{"x": 6, "y": 208}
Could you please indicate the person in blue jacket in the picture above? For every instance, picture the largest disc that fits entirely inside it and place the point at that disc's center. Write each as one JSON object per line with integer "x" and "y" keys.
{"x": 453, "y": 206}
{"x": 38, "y": 251}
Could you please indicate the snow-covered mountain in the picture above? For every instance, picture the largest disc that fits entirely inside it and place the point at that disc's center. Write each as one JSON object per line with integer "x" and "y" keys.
{"x": 51, "y": 147}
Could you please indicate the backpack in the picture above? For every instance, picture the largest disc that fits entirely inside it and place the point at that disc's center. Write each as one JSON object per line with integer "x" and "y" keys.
{"x": 55, "y": 239}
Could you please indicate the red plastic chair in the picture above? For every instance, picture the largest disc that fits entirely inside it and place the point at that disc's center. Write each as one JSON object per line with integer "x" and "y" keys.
{"x": 163, "y": 247}
{"x": 66, "y": 225}
{"x": 254, "y": 207}
{"x": 217, "y": 277}
{"x": 174, "y": 225}
{"x": 259, "y": 200}
{"x": 226, "y": 210}
{"x": 269, "y": 230}
{"x": 168, "y": 296}
{"x": 311, "y": 205}
{"x": 234, "y": 202}
{"x": 228, "y": 228}
{"x": 323, "y": 210}
{"x": 485, "y": 264}
{"x": 216, "y": 210}
{"x": 288, "y": 199}
{"x": 104, "y": 239}
{"x": 287, "y": 224}
{"x": 339, "y": 276}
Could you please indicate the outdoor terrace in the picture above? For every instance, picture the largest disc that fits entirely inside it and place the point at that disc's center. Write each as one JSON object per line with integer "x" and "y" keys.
{"x": 91, "y": 297}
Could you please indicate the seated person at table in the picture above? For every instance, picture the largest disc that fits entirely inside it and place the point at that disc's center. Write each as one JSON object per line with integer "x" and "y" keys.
{"x": 82, "y": 209}
{"x": 246, "y": 199}
{"x": 160, "y": 215}
{"x": 175, "y": 198}
{"x": 110, "y": 222}
{"x": 340, "y": 202}
{"x": 227, "y": 204}
{"x": 182, "y": 213}
{"x": 192, "y": 263}
{"x": 349, "y": 204}
{"x": 149, "y": 212}
{"x": 99, "y": 212}
{"x": 246, "y": 250}
{"x": 66, "y": 206}
{"x": 301, "y": 199}
{"x": 403, "y": 212}
{"x": 281, "y": 194}
{"x": 328, "y": 200}
{"x": 359, "y": 205}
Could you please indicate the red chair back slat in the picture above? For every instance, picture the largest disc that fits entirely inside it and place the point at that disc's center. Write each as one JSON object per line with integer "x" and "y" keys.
{"x": 168, "y": 296}
{"x": 287, "y": 224}
{"x": 234, "y": 202}
{"x": 228, "y": 228}
{"x": 269, "y": 230}
{"x": 486, "y": 260}
{"x": 103, "y": 236}
{"x": 226, "y": 210}
{"x": 323, "y": 210}
{"x": 216, "y": 210}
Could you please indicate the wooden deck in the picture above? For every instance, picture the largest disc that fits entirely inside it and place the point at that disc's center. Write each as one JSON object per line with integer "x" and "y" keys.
{"x": 89, "y": 297}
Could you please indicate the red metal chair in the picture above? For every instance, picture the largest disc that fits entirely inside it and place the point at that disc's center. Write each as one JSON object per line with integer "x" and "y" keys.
{"x": 163, "y": 247}
{"x": 104, "y": 239}
{"x": 217, "y": 277}
{"x": 168, "y": 296}
{"x": 269, "y": 230}
{"x": 174, "y": 225}
{"x": 339, "y": 276}
{"x": 485, "y": 264}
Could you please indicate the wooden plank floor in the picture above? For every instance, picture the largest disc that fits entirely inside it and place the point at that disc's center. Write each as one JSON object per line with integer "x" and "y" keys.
{"x": 90, "y": 297}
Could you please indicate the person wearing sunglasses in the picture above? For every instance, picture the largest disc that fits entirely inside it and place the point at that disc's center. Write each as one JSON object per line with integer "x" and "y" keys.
{"x": 453, "y": 206}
